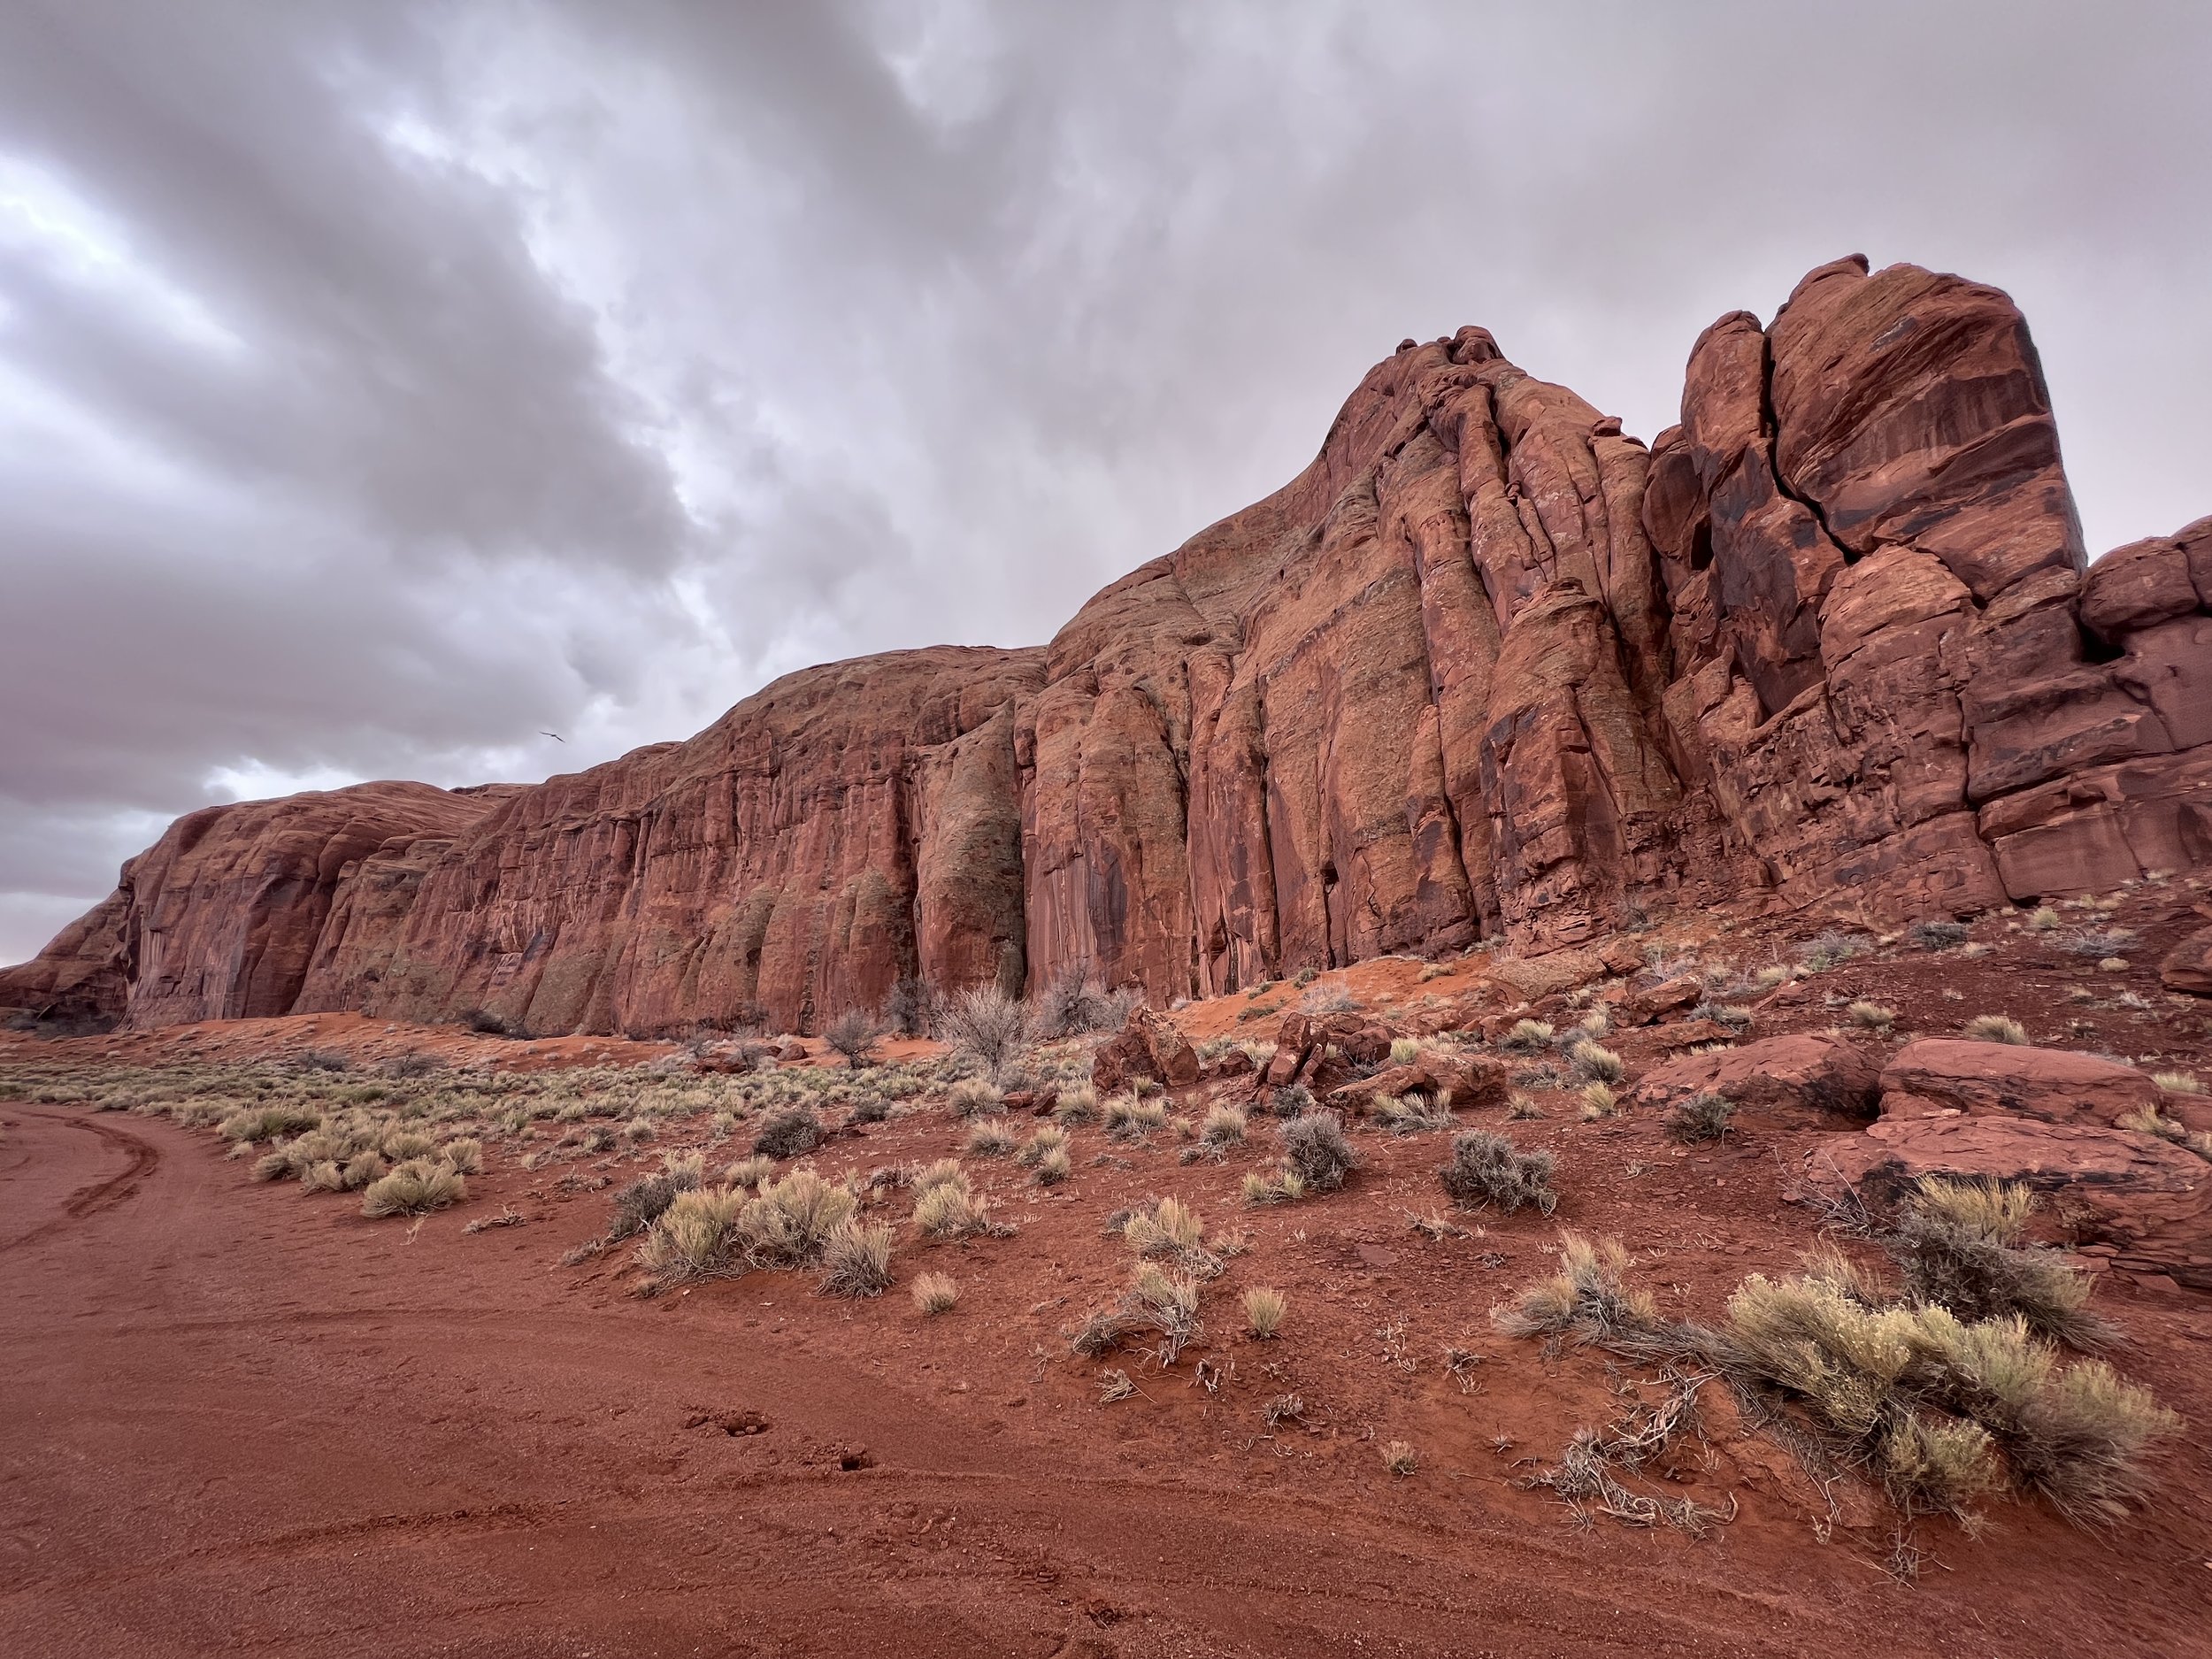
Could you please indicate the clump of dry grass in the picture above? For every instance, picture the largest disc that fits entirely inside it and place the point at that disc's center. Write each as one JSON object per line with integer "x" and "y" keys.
{"x": 1872, "y": 1017}
{"x": 2177, "y": 1082}
{"x": 1598, "y": 1064}
{"x": 2044, "y": 920}
{"x": 1527, "y": 1036}
{"x": 935, "y": 1292}
{"x": 1076, "y": 1106}
{"x": 692, "y": 1237}
{"x": 1588, "y": 1299}
{"x": 1400, "y": 1457}
{"x": 856, "y": 1260}
{"x": 1264, "y": 1311}
{"x": 1053, "y": 1168}
{"x": 975, "y": 1097}
{"x": 266, "y": 1123}
{"x": 1488, "y": 1169}
{"x": 1598, "y": 1100}
{"x": 1995, "y": 1028}
{"x": 464, "y": 1153}
{"x": 946, "y": 1207}
{"x": 1703, "y": 1117}
{"x": 1315, "y": 1150}
{"x": 1164, "y": 1228}
{"x": 991, "y": 1141}
{"x": 1522, "y": 1109}
{"x": 1412, "y": 1114}
{"x": 1159, "y": 1303}
{"x": 1129, "y": 1118}
{"x": 1404, "y": 1050}
{"x": 750, "y": 1171}
{"x": 1961, "y": 1245}
{"x": 414, "y": 1189}
{"x": 1277, "y": 1186}
{"x": 1224, "y": 1127}
{"x": 789, "y": 1223}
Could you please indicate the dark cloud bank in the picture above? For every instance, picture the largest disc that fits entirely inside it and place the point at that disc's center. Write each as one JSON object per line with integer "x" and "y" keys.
{"x": 380, "y": 385}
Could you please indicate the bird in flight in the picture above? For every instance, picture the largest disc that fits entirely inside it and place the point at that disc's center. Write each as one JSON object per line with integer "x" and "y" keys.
{"x": 556, "y": 736}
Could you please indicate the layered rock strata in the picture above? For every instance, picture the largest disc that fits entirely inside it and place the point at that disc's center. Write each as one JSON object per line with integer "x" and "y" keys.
{"x": 1488, "y": 666}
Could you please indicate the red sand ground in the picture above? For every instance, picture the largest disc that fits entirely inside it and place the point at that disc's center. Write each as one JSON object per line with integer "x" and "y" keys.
{"x": 241, "y": 1417}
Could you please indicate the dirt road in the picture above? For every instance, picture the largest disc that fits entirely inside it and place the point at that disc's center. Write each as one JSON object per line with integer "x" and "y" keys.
{"x": 235, "y": 1420}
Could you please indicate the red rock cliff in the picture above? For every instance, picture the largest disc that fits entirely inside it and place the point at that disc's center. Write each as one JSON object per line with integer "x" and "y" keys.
{"x": 1488, "y": 665}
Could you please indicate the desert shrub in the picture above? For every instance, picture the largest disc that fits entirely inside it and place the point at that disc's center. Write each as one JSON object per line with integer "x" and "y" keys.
{"x": 990, "y": 1141}
{"x": 464, "y": 1153}
{"x": 322, "y": 1060}
{"x": 414, "y": 1189}
{"x": 2044, "y": 920}
{"x": 644, "y": 1200}
{"x": 694, "y": 1236}
{"x": 1598, "y": 1100}
{"x": 935, "y": 1292}
{"x": 2110, "y": 943}
{"x": 1961, "y": 1245}
{"x": 1264, "y": 1311}
{"x": 1872, "y": 1017}
{"x": 1328, "y": 999}
{"x": 789, "y": 1134}
{"x": 1938, "y": 936}
{"x": 2177, "y": 1082}
{"x": 1053, "y": 1168}
{"x": 1522, "y": 1108}
{"x": 272, "y": 1166}
{"x": 1293, "y": 1099}
{"x": 1995, "y": 1028}
{"x": 1488, "y": 1169}
{"x": 911, "y": 1008}
{"x": 1316, "y": 1150}
{"x": 789, "y": 1223}
{"x": 1400, "y": 1458}
{"x": 1825, "y": 950}
{"x": 856, "y": 1260}
{"x": 362, "y": 1169}
{"x": 1077, "y": 1105}
{"x": 1074, "y": 1003}
{"x": 987, "y": 1027}
{"x": 1528, "y": 1036}
{"x": 1404, "y": 1050}
{"x": 402, "y": 1144}
{"x": 974, "y": 1097}
{"x": 1703, "y": 1117}
{"x": 854, "y": 1035}
{"x": 1598, "y": 1064}
{"x": 408, "y": 1066}
{"x": 869, "y": 1109}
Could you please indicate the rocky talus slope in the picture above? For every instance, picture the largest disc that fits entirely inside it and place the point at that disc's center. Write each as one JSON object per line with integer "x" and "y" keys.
{"x": 1488, "y": 667}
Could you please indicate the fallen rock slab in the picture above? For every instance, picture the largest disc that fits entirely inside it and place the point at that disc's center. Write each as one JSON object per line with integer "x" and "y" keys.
{"x": 2188, "y": 967}
{"x": 1469, "y": 1081}
{"x": 1827, "y": 1074}
{"x": 2052, "y": 1085}
{"x": 2150, "y": 1199}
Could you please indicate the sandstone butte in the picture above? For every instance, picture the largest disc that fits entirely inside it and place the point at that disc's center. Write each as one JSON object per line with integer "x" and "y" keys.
{"x": 1488, "y": 667}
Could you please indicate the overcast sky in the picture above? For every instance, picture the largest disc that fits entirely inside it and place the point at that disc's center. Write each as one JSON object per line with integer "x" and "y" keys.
{"x": 381, "y": 385}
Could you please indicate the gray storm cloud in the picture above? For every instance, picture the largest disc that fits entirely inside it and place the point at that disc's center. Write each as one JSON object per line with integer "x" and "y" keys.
{"x": 380, "y": 385}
